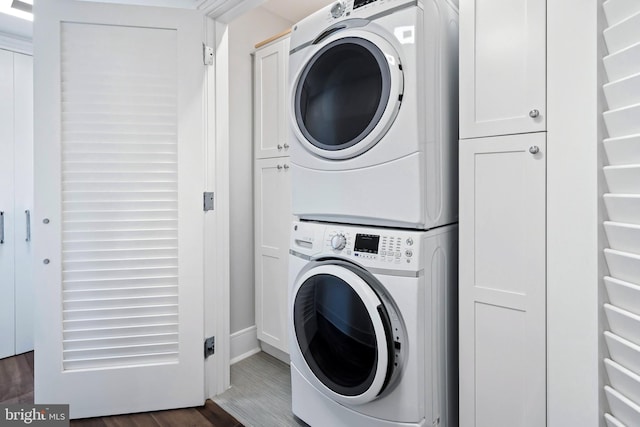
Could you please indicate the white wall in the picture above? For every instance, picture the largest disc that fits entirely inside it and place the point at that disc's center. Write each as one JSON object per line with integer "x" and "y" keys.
{"x": 251, "y": 28}
{"x": 574, "y": 210}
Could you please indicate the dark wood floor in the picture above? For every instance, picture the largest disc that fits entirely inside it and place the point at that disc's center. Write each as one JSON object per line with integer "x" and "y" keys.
{"x": 16, "y": 386}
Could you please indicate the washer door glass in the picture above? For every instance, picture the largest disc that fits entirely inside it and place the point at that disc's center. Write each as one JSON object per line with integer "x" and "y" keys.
{"x": 343, "y": 332}
{"x": 342, "y": 93}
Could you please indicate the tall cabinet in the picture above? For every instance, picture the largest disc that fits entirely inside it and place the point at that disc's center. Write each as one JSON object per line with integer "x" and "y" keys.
{"x": 502, "y": 282}
{"x": 272, "y": 194}
{"x": 16, "y": 201}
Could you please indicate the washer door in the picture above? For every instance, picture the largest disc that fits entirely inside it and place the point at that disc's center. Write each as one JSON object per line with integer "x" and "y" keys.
{"x": 347, "y": 94}
{"x": 344, "y": 334}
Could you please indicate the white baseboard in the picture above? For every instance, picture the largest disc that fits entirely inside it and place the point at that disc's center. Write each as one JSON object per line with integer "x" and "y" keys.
{"x": 244, "y": 343}
{"x": 277, "y": 353}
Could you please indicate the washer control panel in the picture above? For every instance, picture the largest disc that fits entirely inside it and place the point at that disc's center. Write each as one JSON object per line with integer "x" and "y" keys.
{"x": 374, "y": 245}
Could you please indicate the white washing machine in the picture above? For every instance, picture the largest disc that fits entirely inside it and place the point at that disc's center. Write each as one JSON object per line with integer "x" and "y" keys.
{"x": 373, "y": 117}
{"x": 372, "y": 314}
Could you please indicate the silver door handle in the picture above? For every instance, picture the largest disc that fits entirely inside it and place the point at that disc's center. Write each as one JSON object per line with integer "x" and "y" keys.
{"x": 534, "y": 149}
{"x": 1, "y": 227}
{"x": 534, "y": 113}
{"x": 27, "y": 215}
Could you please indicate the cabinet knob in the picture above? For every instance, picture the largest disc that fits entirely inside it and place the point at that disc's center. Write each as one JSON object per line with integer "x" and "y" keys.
{"x": 278, "y": 167}
{"x": 279, "y": 146}
{"x": 286, "y": 167}
{"x": 286, "y": 146}
{"x": 534, "y": 149}
{"x": 534, "y": 113}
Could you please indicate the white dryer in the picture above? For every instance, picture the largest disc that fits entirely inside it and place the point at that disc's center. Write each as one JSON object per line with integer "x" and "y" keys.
{"x": 373, "y": 326}
{"x": 373, "y": 113}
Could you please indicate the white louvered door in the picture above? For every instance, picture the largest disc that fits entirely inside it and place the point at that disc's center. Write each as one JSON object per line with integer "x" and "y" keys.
{"x": 118, "y": 215}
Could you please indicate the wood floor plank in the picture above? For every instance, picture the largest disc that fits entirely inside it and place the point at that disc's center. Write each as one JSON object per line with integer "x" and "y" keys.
{"x": 16, "y": 378}
{"x": 89, "y": 422}
{"x": 218, "y": 416}
{"x": 181, "y": 417}
{"x": 144, "y": 419}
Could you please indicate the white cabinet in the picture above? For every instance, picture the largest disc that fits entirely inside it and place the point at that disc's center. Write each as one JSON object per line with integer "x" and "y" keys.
{"x": 502, "y": 67}
{"x": 272, "y": 221}
{"x": 502, "y": 290}
{"x": 272, "y": 193}
{"x": 270, "y": 99}
{"x": 16, "y": 201}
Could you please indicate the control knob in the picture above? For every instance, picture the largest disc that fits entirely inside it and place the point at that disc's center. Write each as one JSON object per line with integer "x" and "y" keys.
{"x": 338, "y": 242}
{"x": 337, "y": 10}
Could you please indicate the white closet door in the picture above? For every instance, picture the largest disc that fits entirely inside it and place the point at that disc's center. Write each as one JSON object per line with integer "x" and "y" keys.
{"x": 119, "y": 175}
{"x": 23, "y": 200}
{"x": 7, "y": 307}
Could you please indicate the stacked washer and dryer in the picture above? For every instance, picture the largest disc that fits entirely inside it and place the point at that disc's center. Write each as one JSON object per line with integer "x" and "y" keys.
{"x": 373, "y": 258}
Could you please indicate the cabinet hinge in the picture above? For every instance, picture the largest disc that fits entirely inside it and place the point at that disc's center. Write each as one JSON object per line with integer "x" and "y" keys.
{"x": 207, "y": 201}
{"x": 207, "y": 54}
{"x": 209, "y": 346}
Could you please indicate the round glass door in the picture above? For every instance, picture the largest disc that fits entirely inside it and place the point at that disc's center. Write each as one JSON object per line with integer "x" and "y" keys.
{"x": 343, "y": 93}
{"x": 343, "y": 332}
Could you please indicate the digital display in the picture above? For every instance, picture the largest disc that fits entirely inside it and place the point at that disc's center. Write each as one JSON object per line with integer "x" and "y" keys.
{"x": 367, "y": 243}
{"x": 359, "y": 3}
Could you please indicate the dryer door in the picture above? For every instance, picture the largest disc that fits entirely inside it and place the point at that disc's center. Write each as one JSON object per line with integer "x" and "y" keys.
{"x": 344, "y": 333}
{"x": 347, "y": 94}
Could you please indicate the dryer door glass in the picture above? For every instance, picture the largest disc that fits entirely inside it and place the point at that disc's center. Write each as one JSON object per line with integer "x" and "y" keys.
{"x": 336, "y": 334}
{"x": 342, "y": 93}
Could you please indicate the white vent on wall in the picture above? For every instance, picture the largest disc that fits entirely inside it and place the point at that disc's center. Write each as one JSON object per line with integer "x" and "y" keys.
{"x": 119, "y": 193}
{"x": 622, "y": 174}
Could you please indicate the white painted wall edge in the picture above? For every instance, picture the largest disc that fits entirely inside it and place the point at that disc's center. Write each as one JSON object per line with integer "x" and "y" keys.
{"x": 16, "y": 44}
{"x": 244, "y": 343}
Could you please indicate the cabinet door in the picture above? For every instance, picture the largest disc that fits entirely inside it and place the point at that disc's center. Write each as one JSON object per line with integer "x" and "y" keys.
{"x": 270, "y": 100}
{"x": 502, "y": 67}
{"x": 23, "y": 206}
{"x": 502, "y": 287}
{"x": 7, "y": 307}
{"x": 272, "y": 220}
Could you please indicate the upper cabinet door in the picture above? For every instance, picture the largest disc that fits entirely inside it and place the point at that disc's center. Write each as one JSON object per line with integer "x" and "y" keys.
{"x": 271, "y": 100}
{"x": 502, "y": 67}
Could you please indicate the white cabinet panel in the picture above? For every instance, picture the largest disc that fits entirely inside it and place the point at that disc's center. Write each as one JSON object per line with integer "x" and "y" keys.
{"x": 502, "y": 67}
{"x": 502, "y": 287}
{"x": 270, "y": 99}
{"x": 272, "y": 220}
{"x": 7, "y": 306}
{"x": 23, "y": 203}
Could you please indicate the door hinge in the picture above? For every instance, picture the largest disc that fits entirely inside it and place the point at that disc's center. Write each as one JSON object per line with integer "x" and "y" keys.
{"x": 207, "y": 54}
{"x": 207, "y": 204}
{"x": 209, "y": 346}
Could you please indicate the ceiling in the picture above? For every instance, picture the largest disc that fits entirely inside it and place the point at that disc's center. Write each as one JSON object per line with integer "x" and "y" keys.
{"x": 294, "y": 10}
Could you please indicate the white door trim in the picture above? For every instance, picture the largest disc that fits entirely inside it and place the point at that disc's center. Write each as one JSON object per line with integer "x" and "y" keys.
{"x": 217, "y": 246}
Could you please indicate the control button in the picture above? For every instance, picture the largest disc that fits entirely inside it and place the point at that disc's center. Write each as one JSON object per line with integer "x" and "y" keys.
{"x": 408, "y": 253}
{"x": 398, "y": 254}
{"x": 337, "y": 10}
{"x": 383, "y": 253}
{"x": 338, "y": 242}
{"x": 409, "y": 241}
